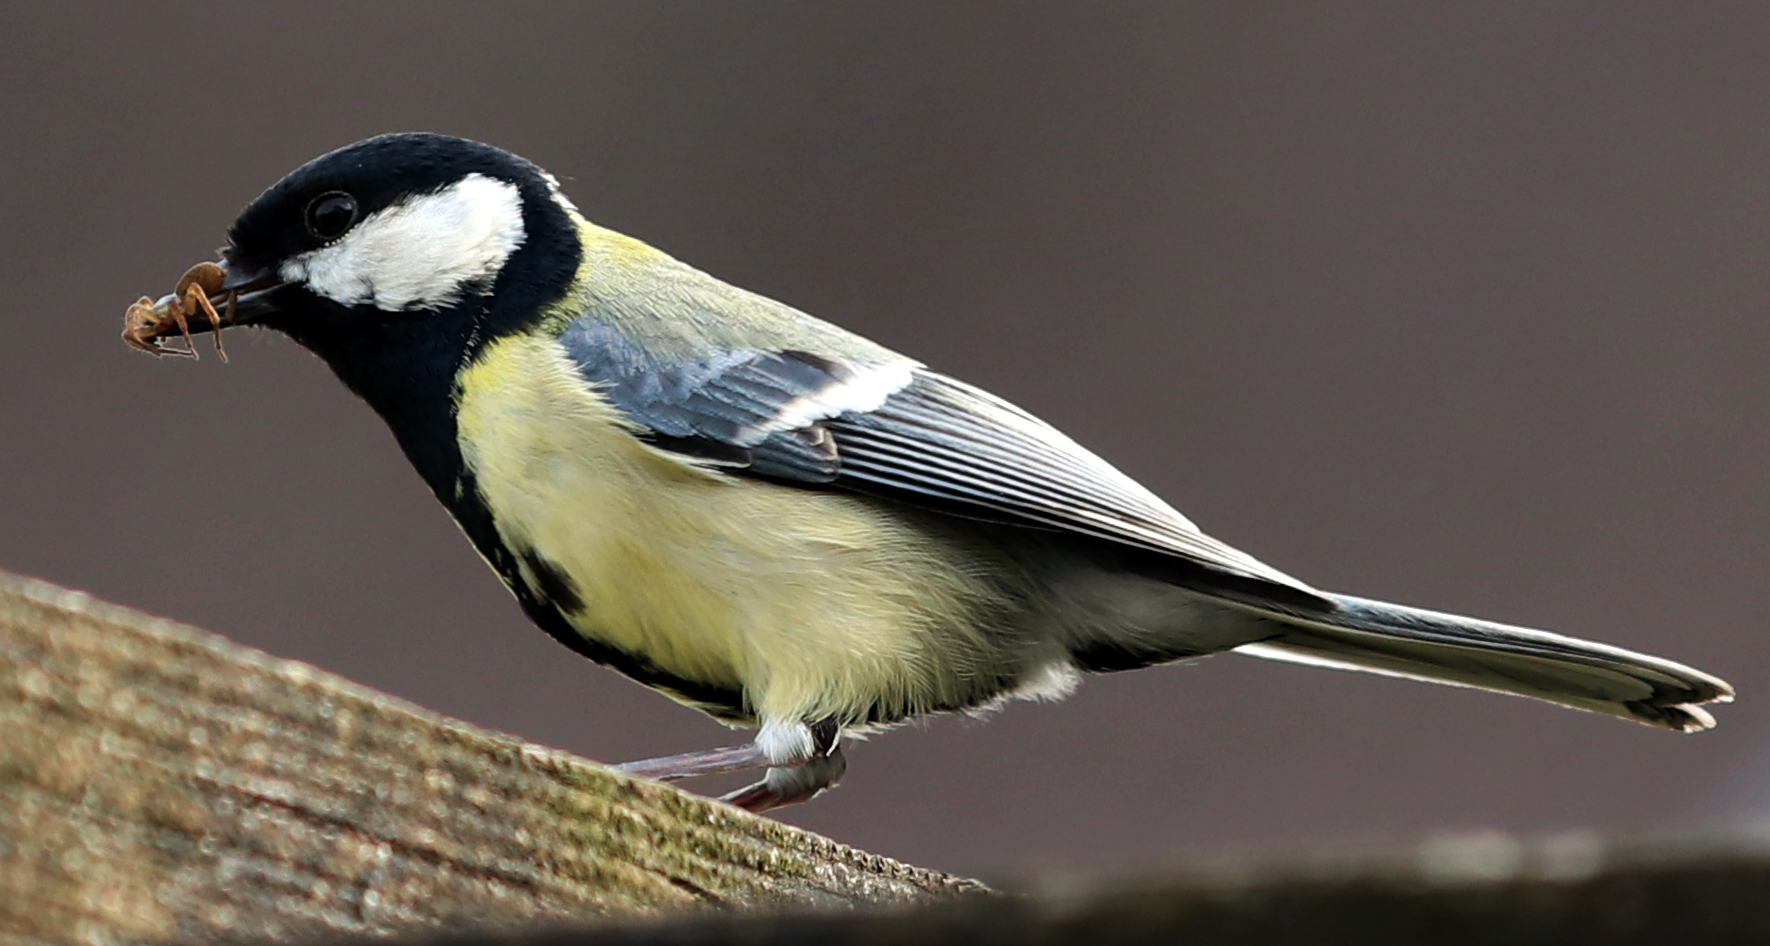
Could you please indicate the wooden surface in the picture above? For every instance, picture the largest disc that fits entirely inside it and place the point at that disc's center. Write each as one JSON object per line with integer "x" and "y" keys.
{"x": 160, "y": 784}
{"x": 1470, "y": 889}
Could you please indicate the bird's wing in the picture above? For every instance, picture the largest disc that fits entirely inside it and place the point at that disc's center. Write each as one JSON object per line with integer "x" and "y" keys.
{"x": 889, "y": 429}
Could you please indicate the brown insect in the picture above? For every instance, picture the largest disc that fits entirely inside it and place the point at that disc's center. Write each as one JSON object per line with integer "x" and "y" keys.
{"x": 147, "y": 322}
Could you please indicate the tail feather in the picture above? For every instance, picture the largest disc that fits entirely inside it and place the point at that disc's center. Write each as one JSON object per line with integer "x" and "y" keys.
{"x": 1389, "y": 639}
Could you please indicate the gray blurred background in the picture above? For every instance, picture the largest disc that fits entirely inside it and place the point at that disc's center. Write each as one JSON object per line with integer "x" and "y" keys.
{"x": 1458, "y": 305}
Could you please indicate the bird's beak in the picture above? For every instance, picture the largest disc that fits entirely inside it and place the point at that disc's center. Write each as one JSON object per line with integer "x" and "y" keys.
{"x": 254, "y": 293}
{"x": 210, "y": 296}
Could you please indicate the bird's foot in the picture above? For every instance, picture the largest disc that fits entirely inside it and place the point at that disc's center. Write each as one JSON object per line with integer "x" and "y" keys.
{"x": 802, "y": 761}
{"x": 790, "y": 786}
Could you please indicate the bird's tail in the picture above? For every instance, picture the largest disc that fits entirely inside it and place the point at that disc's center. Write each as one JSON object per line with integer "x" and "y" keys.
{"x": 1398, "y": 641}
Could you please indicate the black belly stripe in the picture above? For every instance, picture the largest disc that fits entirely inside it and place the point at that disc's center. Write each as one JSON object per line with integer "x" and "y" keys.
{"x": 552, "y": 584}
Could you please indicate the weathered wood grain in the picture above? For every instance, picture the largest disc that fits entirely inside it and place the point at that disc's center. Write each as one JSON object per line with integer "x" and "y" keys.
{"x": 160, "y": 784}
{"x": 1460, "y": 889}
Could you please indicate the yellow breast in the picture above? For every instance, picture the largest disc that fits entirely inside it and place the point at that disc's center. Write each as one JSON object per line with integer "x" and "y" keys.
{"x": 812, "y": 604}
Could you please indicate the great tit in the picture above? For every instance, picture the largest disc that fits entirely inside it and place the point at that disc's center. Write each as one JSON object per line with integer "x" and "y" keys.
{"x": 771, "y": 519}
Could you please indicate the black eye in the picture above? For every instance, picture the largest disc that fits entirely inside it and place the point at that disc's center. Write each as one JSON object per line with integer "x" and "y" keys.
{"x": 329, "y": 215}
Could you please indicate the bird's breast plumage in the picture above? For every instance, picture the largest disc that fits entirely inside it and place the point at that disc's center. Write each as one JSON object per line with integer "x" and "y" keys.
{"x": 811, "y": 604}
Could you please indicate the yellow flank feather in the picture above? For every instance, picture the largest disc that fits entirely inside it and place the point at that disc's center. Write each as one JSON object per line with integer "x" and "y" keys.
{"x": 813, "y": 604}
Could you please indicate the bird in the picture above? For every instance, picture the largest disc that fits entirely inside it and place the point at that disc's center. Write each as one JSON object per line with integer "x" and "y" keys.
{"x": 764, "y": 516}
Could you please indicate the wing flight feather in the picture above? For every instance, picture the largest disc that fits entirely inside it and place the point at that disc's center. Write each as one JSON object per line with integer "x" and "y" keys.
{"x": 891, "y": 429}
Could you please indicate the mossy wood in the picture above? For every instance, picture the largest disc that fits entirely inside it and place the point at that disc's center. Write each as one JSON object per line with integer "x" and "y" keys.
{"x": 160, "y": 784}
{"x": 1480, "y": 890}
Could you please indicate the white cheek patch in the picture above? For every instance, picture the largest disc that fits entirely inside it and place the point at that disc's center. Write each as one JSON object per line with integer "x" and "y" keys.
{"x": 421, "y": 253}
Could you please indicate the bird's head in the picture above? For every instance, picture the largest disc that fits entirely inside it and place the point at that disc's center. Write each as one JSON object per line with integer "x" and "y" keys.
{"x": 400, "y": 237}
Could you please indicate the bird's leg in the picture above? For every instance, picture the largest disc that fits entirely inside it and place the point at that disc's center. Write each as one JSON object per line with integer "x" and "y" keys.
{"x": 778, "y": 744}
{"x": 691, "y": 764}
{"x": 801, "y": 766}
{"x": 802, "y": 760}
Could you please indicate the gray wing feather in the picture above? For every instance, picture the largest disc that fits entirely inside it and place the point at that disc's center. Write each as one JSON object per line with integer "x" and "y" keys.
{"x": 950, "y": 441}
{"x": 722, "y": 410}
{"x": 890, "y": 429}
